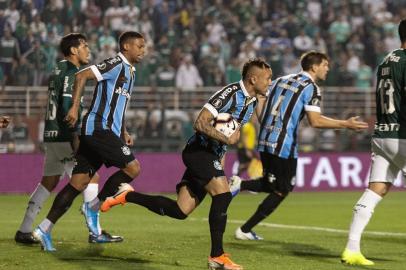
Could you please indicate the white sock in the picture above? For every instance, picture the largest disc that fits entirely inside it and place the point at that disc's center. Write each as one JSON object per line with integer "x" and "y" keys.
{"x": 37, "y": 199}
{"x": 90, "y": 192}
{"x": 363, "y": 211}
{"x": 46, "y": 225}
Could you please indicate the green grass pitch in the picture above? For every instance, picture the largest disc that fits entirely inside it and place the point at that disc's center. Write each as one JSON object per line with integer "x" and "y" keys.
{"x": 296, "y": 236}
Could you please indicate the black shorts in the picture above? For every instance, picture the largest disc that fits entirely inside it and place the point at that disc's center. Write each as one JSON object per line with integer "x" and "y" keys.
{"x": 279, "y": 173}
{"x": 103, "y": 147}
{"x": 242, "y": 156}
{"x": 201, "y": 167}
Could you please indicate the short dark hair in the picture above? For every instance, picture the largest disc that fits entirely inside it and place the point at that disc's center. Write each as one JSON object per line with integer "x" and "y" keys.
{"x": 126, "y": 36}
{"x": 308, "y": 59}
{"x": 69, "y": 41}
{"x": 402, "y": 31}
{"x": 256, "y": 62}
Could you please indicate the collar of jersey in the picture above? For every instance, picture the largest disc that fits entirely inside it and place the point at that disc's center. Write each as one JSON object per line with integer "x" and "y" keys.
{"x": 125, "y": 60}
{"x": 307, "y": 75}
{"x": 243, "y": 88}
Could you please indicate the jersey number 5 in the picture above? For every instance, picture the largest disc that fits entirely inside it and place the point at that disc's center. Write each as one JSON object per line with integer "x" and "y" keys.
{"x": 385, "y": 88}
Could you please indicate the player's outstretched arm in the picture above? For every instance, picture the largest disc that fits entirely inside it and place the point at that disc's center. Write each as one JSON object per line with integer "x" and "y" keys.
{"x": 317, "y": 120}
{"x": 203, "y": 124}
{"x": 78, "y": 87}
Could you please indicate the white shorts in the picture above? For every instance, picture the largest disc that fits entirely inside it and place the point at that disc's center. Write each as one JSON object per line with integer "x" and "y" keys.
{"x": 58, "y": 159}
{"x": 388, "y": 159}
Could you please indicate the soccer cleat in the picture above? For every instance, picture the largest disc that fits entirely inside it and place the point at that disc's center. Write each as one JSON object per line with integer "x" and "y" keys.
{"x": 240, "y": 235}
{"x": 355, "y": 258}
{"x": 104, "y": 237}
{"x": 25, "y": 238}
{"x": 91, "y": 218}
{"x": 44, "y": 238}
{"x": 223, "y": 262}
{"x": 235, "y": 185}
{"x": 118, "y": 198}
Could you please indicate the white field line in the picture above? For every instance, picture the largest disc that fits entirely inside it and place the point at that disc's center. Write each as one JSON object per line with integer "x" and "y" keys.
{"x": 307, "y": 228}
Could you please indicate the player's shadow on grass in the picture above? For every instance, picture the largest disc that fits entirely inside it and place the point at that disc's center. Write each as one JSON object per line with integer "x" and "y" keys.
{"x": 307, "y": 251}
{"x": 94, "y": 256}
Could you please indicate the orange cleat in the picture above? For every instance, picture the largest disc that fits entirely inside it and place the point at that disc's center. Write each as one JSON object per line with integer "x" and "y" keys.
{"x": 118, "y": 198}
{"x": 223, "y": 262}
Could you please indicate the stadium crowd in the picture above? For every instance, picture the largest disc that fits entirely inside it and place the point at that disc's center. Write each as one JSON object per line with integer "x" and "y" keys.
{"x": 195, "y": 43}
{"x": 204, "y": 43}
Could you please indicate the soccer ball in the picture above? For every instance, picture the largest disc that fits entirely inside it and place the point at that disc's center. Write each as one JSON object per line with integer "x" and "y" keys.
{"x": 226, "y": 124}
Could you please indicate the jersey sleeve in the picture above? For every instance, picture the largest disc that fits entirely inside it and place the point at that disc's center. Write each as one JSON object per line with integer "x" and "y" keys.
{"x": 312, "y": 98}
{"x": 106, "y": 70}
{"x": 221, "y": 101}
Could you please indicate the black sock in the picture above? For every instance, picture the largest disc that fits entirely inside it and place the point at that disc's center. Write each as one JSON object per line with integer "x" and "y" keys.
{"x": 218, "y": 221}
{"x": 252, "y": 185}
{"x": 112, "y": 184}
{"x": 62, "y": 202}
{"x": 158, "y": 204}
{"x": 268, "y": 205}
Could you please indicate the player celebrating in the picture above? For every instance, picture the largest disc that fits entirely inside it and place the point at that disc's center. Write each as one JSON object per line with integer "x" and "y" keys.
{"x": 203, "y": 157}
{"x": 389, "y": 138}
{"x": 60, "y": 139}
{"x": 289, "y": 98}
{"x": 103, "y": 137}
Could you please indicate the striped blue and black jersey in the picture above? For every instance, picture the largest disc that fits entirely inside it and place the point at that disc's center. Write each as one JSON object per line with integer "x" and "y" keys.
{"x": 233, "y": 99}
{"x": 115, "y": 79}
{"x": 288, "y": 99}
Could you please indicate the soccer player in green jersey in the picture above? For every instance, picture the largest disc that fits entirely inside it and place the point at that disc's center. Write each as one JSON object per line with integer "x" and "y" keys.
{"x": 388, "y": 145}
{"x": 60, "y": 139}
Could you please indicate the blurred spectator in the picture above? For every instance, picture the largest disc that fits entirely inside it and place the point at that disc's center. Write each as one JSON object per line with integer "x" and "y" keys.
{"x": 38, "y": 28}
{"x": 302, "y": 43}
{"x": 364, "y": 76}
{"x": 165, "y": 75}
{"x": 37, "y": 59}
{"x": 233, "y": 72}
{"x": 107, "y": 39}
{"x": 12, "y": 15}
{"x": 9, "y": 52}
{"x": 22, "y": 73}
{"x": 187, "y": 76}
{"x": 114, "y": 17}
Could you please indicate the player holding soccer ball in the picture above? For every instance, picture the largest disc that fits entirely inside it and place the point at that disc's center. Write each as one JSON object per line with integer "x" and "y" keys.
{"x": 289, "y": 99}
{"x": 203, "y": 157}
{"x": 388, "y": 145}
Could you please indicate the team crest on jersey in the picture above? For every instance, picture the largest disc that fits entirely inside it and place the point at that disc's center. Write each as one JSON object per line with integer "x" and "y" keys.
{"x": 101, "y": 66}
{"x": 126, "y": 150}
{"x": 217, "y": 103}
{"x": 217, "y": 165}
{"x": 271, "y": 178}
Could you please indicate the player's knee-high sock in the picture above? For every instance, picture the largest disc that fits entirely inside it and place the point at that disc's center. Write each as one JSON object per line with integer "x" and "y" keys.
{"x": 158, "y": 204}
{"x": 218, "y": 221}
{"x": 252, "y": 185}
{"x": 268, "y": 205}
{"x": 363, "y": 211}
{"x": 112, "y": 184}
{"x": 37, "y": 199}
{"x": 61, "y": 204}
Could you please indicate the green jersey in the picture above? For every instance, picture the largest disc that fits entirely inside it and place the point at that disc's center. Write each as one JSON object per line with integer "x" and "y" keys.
{"x": 391, "y": 96}
{"x": 59, "y": 102}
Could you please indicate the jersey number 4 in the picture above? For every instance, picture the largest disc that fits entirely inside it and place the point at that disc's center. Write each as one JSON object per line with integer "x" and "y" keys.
{"x": 385, "y": 88}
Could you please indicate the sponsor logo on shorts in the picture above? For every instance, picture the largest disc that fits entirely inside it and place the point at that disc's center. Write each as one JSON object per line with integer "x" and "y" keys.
{"x": 271, "y": 178}
{"x": 217, "y": 165}
{"x": 126, "y": 150}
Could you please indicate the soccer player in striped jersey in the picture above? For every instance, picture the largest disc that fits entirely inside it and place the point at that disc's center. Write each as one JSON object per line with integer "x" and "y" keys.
{"x": 203, "y": 157}
{"x": 103, "y": 139}
{"x": 289, "y": 99}
{"x": 60, "y": 140}
{"x": 388, "y": 145}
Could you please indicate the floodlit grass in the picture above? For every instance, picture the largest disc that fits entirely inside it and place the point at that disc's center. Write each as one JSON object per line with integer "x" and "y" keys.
{"x": 153, "y": 242}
